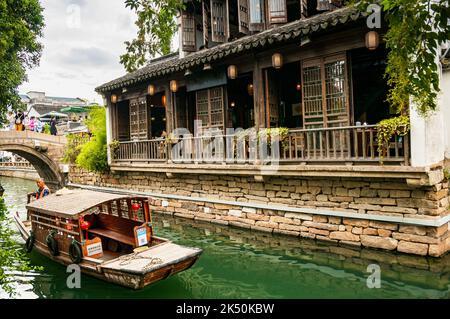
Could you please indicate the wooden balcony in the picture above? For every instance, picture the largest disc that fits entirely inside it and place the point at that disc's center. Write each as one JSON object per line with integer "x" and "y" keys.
{"x": 356, "y": 145}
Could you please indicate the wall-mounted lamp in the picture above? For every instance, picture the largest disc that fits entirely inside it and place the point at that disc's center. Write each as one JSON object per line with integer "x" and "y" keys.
{"x": 232, "y": 104}
{"x": 277, "y": 60}
{"x": 250, "y": 89}
{"x": 173, "y": 86}
{"x": 113, "y": 98}
{"x": 372, "y": 40}
{"x": 298, "y": 87}
{"x": 163, "y": 100}
{"x": 151, "y": 90}
{"x": 232, "y": 72}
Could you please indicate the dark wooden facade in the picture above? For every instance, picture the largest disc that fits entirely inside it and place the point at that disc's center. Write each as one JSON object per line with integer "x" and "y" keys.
{"x": 318, "y": 91}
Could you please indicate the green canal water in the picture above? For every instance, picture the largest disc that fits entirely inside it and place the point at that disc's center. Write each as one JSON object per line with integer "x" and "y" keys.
{"x": 244, "y": 264}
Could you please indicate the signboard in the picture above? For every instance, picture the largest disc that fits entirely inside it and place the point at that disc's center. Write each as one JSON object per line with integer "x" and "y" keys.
{"x": 93, "y": 248}
{"x": 142, "y": 235}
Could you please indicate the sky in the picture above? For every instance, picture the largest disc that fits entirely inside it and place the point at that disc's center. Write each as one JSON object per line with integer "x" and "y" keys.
{"x": 83, "y": 40}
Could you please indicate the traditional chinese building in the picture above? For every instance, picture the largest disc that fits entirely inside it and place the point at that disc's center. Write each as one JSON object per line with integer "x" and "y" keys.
{"x": 312, "y": 68}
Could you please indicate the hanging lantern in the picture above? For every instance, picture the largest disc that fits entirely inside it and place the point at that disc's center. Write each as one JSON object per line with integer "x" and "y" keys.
{"x": 85, "y": 225}
{"x": 151, "y": 90}
{"x": 232, "y": 72}
{"x": 173, "y": 86}
{"x": 277, "y": 60}
{"x": 372, "y": 40}
{"x": 113, "y": 98}
{"x": 135, "y": 207}
{"x": 163, "y": 100}
{"x": 250, "y": 89}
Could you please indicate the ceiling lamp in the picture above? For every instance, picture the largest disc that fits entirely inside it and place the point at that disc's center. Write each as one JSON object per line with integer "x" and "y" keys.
{"x": 372, "y": 40}
{"x": 232, "y": 72}
{"x": 151, "y": 90}
{"x": 173, "y": 86}
{"x": 113, "y": 98}
{"x": 277, "y": 60}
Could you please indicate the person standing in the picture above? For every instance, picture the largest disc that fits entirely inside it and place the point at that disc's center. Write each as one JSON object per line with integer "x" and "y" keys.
{"x": 19, "y": 121}
{"x": 32, "y": 124}
{"x": 53, "y": 129}
{"x": 38, "y": 125}
{"x": 11, "y": 120}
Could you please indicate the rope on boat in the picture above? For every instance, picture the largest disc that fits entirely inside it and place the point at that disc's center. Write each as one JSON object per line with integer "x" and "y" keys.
{"x": 127, "y": 259}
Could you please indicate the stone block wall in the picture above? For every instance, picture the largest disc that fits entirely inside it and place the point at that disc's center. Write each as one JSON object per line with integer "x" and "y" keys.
{"x": 258, "y": 205}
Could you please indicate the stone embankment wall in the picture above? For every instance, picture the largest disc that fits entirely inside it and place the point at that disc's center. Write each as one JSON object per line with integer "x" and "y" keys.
{"x": 19, "y": 173}
{"x": 266, "y": 206}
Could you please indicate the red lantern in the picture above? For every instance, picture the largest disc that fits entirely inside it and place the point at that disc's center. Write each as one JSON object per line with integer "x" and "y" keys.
{"x": 135, "y": 207}
{"x": 85, "y": 225}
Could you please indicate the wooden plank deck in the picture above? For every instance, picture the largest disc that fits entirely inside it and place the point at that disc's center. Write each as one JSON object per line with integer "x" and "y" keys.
{"x": 154, "y": 258}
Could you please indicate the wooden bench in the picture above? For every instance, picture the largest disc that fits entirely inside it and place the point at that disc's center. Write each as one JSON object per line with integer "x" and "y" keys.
{"x": 116, "y": 228}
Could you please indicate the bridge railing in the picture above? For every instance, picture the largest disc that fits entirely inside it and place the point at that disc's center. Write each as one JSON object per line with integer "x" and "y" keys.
{"x": 58, "y": 139}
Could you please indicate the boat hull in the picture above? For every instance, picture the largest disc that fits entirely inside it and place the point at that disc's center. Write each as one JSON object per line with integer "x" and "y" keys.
{"x": 92, "y": 268}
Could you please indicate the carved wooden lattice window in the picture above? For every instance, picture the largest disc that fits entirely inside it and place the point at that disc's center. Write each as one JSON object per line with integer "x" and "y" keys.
{"x": 188, "y": 31}
{"x": 325, "y": 92}
{"x": 243, "y": 16}
{"x": 210, "y": 107}
{"x": 277, "y": 11}
{"x": 138, "y": 119}
{"x": 219, "y": 21}
{"x": 256, "y": 15}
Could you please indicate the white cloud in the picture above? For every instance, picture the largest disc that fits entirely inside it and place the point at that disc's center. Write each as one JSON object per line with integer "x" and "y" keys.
{"x": 83, "y": 41}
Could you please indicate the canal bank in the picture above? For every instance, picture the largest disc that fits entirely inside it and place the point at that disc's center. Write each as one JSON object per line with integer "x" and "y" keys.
{"x": 392, "y": 214}
{"x": 23, "y": 173}
{"x": 237, "y": 263}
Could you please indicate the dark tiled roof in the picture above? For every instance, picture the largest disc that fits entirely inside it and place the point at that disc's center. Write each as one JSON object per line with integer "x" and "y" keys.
{"x": 279, "y": 34}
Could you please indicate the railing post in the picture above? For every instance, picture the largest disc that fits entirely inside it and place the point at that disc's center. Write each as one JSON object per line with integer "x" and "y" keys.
{"x": 406, "y": 149}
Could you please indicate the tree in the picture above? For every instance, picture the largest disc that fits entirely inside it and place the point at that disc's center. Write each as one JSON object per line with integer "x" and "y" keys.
{"x": 12, "y": 255}
{"x": 21, "y": 24}
{"x": 416, "y": 29}
{"x": 156, "y": 27}
{"x": 93, "y": 154}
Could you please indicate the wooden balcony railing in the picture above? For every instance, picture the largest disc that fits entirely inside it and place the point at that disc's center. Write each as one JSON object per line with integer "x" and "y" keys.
{"x": 147, "y": 151}
{"x": 355, "y": 144}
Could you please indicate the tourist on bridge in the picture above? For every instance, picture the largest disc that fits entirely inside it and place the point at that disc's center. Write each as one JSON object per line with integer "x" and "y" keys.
{"x": 19, "y": 118}
{"x": 53, "y": 129}
{"x": 32, "y": 124}
{"x": 38, "y": 126}
{"x": 43, "y": 190}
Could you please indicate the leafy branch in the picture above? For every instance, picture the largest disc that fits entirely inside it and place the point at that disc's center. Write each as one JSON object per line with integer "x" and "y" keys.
{"x": 156, "y": 26}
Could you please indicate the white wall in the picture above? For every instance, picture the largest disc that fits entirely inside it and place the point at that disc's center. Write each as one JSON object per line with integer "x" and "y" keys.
{"x": 430, "y": 137}
{"x": 444, "y": 103}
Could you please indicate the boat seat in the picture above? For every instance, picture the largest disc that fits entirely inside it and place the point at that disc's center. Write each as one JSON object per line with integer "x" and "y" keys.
{"x": 113, "y": 235}
{"x": 116, "y": 228}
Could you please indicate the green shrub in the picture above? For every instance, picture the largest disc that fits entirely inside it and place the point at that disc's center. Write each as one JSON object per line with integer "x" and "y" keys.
{"x": 73, "y": 147}
{"x": 93, "y": 154}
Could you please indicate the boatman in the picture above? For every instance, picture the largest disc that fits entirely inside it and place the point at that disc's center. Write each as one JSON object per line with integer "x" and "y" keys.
{"x": 43, "y": 190}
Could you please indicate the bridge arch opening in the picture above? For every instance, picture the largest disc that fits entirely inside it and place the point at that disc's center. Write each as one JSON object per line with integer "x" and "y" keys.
{"x": 43, "y": 164}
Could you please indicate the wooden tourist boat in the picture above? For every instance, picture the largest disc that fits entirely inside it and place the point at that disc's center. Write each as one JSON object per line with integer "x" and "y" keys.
{"x": 110, "y": 236}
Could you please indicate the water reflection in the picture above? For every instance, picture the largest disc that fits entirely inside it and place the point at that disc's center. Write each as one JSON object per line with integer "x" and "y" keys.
{"x": 241, "y": 264}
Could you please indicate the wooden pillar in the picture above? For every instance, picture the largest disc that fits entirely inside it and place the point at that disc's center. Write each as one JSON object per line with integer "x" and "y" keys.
{"x": 258, "y": 95}
{"x": 170, "y": 118}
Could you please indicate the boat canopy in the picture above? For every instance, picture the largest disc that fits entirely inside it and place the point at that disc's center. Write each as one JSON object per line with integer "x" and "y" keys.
{"x": 71, "y": 204}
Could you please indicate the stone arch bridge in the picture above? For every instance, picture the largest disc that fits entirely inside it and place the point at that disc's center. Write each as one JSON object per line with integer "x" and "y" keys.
{"x": 43, "y": 151}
